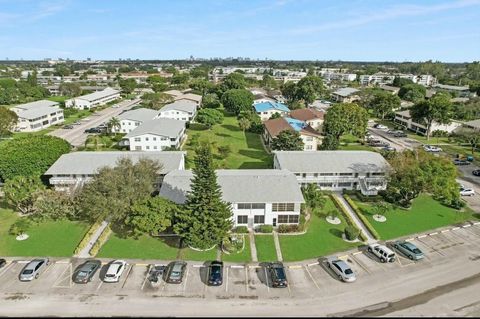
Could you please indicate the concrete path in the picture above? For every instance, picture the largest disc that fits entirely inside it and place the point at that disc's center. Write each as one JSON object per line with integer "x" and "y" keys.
{"x": 84, "y": 253}
{"x": 355, "y": 219}
{"x": 277, "y": 246}
{"x": 253, "y": 248}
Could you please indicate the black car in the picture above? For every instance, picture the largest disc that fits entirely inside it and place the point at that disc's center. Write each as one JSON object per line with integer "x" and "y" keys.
{"x": 3, "y": 262}
{"x": 93, "y": 130}
{"x": 215, "y": 273}
{"x": 68, "y": 127}
{"x": 476, "y": 172}
{"x": 175, "y": 273}
{"x": 86, "y": 271}
{"x": 460, "y": 162}
{"x": 400, "y": 134}
{"x": 277, "y": 275}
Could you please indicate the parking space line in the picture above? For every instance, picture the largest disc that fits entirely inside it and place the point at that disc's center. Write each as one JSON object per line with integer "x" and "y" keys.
{"x": 146, "y": 276}
{"x": 6, "y": 268}
{"x": 126, "y": 277}
{"x": 246, "y": 279}
{"x": 226, "y": 282}
{"x": 432, "y": 248}
{"x": 361, "y": 264}
{"x": 99, "y": 285}
{"x": 311, "y": 277}
{"x": 266, "y": 279}
{"x": 61, "y": 278}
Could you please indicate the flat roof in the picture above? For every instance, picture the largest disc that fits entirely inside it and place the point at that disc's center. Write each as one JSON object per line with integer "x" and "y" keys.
{"x": 36, "y": 104}
{"x": 180, "y": 105}
{"x": 161, "y": 126}
{"x": 99, "y": 94}
{"x": 79, "y": 163}
{"x": 331, "y": 161}
{"x": 239, "y": 186}
{"x": 141, "y": 115}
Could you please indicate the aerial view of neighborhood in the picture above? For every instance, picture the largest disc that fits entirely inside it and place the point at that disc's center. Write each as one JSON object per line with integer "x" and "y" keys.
{"x": 263, "y": 158}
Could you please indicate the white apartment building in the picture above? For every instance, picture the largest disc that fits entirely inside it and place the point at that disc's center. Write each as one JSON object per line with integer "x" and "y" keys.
{"x": 336, "y": 76}
{"x": 336, "y": 170}
{"x": 345, "y": 95}
{"x": 71, "y": 171}
{"x": 130, "y": 120}
{"x": 256, "y": 196}
{"x": 310, "y": 137}
{"x": 38, "y": 115}
{"x": 405, "y": 119}
{"x": 182, "y": 110}
{"x": 93, "y": 99}
{"x": 377, "y": 78}
{"x": 266, "y": 109}
{"x": 156, "y": 135}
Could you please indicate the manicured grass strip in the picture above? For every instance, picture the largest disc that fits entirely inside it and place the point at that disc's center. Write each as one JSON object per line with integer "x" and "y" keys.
{"x": 244, "y": 256}
{"x": 145, "y": 247}
{"x": 190, "y": 254}
{"x": 49, "y": 238}
{"x": 322, "y": 238}
{"x": 425, "y": 214}
{"x": 362, "y": 217}
{"x": 265, "y": 248}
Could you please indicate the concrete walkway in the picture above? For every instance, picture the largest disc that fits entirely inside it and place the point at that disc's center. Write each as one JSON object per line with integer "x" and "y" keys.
{"x": 253, "y": 248}
{"x": 84, "y": 253}
{"x": 355, "y": 219}
{"x": 277, "y": 246}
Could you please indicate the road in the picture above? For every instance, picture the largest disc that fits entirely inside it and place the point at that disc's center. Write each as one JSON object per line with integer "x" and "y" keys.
{"x": 77, "y": 136}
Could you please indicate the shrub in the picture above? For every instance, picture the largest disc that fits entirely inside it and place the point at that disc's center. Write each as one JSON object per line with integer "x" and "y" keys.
{"x": 241, "y": 230}
{"x": 265, "y": 228}
{"x": 362, "y": 217}
{"x": 351, "y": 232}
{"x": 288, "y": 228}
{"x": 83, "y": 243}
{"x": 100, "y": 241}
{"x": 19, "y": 227}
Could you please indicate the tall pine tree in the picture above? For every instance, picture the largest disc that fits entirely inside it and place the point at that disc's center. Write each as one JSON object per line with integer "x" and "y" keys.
{"x": 205, "y": 218}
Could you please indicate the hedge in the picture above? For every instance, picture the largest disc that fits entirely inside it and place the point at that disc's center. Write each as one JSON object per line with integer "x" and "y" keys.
{"x": 265, "y": 229}
{"x": 362, "y": 217}
{"x": 240, "y": 230}
{"x": 345, "y": 215}
{"x": 86, "y": 238}
{"x": 100, "y": 241}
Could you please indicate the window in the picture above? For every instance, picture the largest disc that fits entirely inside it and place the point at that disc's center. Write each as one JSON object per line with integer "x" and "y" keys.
{"x": 308, "y": 147}
{"x": 283, "y": 207}
{"x": 309, "y": 138}
{"x": 378, "y": 174}
{"x": 315, "y": 175}
{"x": 138, "y": 148}
{"x": 243, "y": 206}
{"x": 154, "y": 138}
{"x": 258, "y": 206}
{"x": 288, "y": 219}
{"x": 345, "y": 174}
{"x": 148, "y": 147}
{"x": 304, "y": 175}
{"x": 155, "y": 147}
{"x": 344, "y": 184}
{"x": 259, "y": 219}
{"x": 146, "y": 138}
{"x": 137, "y": 139}
{"x": 242, "y": 219}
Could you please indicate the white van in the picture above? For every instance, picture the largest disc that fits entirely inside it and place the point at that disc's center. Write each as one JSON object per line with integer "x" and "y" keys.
{"x": 384, "y": 253}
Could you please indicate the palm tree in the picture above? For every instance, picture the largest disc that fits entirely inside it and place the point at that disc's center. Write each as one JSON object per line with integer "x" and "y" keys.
{"x": 114, "y": 123}
{"x": 244, "y": 124}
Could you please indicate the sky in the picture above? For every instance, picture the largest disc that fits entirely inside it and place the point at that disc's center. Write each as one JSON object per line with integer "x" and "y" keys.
{"x": 348, "y": 30}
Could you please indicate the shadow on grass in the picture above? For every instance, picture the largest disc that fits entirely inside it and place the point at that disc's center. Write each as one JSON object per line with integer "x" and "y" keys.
{"x": 336, "y": 232}
{"x": 254, "y": 165}
{"x": 173, "y": 241}
{"x": 229, "y": 127}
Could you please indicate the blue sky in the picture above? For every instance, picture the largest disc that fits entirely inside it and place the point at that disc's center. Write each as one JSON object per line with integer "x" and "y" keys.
{"x": 367, "y": 30}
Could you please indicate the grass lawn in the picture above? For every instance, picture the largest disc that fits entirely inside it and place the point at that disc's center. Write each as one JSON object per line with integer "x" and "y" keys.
{"x": 356, "y": 147}
{"x": 246, "y": 148}
{"x": 49, "y": 238}
{"x": 145, "y": 247}
{"x": 190, "y": 254}
{"x": 322, "y": 238}
{"x": 425, "y": 214}
{"x": 265, "y": 248}
{"x": 243, "y": 256}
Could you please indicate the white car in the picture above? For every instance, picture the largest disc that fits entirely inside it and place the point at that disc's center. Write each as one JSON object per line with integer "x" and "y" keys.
{"x": 115, "y": 271}
{"x": 383, "y": 253}
{"x": 431, "y": 148}
{"x": 380, "y": 127}
{"x": 467, "y": 192}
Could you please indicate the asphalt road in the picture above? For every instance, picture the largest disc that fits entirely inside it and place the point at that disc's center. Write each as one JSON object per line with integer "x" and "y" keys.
{"x": 77, "y": 137}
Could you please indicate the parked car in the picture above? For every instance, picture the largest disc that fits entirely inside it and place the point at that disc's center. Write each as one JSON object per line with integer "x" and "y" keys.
{"x": 215, "y": 273}
{"x": 400, "y": 134}
{"x": 388, "y": 148}
{"x": 476, "y": 172}
{"x": 391, "y": 132}
{"x": 3, "y": 262}
{"x": 93, "y": 130}
{"x": 467, "y": 192}
{"x": 408, "y": 249}
{"x": 277, "y": 274}
{"x": 431, "y": 148}
{"x": 460, "y": 162}
{"x": 341, "y": 268}
{"x": 115, "y": 271}
{"x": 68, "y": 127}
{"x": 33, "y": 269}
{"x": 382, "y": 252}
{"x": 175, "y": 272}
{"x": 77, "y": 123}
{"x": 380, "y": 126}
{"x": 156, "y": 272}
{"x": 378, "y": 143}
{"x": 85, "y": 272}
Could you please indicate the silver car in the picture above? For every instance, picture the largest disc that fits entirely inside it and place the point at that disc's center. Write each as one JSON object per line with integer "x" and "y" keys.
{"x": 341, "y": 268}
{"x": 408, "y": 249}
{"x": 33, "y": 269}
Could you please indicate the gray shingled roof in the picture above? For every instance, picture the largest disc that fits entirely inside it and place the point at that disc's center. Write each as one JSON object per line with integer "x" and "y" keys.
{"x": 140, "y": 115}
{"x": 99, "y": 94}
{"x": 189, "y": 96}
{"x": 36, "y": 109}
{"x": 161, "y": 126}
{"x": 89, "y": 162}
{"x": 239, "y": 186}
{"x": 331, "y": 161}
{"x": 36, "y": 104}
{"x": 180, "y": 105}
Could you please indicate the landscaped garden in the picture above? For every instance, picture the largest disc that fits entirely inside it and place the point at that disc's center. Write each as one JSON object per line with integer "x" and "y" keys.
{"x": 245, "y": 148}
{"x": 241, "y": 256}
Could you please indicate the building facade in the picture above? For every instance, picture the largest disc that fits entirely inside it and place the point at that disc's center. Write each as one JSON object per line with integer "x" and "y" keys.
{"x": 404, "y": 119}
{"x": 310, "y": 137}
{"x": 92, "y": 100}
{"x": 38, "y": 115}
{"x": 156, "y": 135}
{"x": 181, "y": 110}
{"x": 130, "y": 120}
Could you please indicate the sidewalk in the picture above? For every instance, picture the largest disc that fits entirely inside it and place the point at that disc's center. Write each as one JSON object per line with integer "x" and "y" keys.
{"x": 253, "y": 248}
{"x": 277, "y": 246}
{"x": 84, "y": 253}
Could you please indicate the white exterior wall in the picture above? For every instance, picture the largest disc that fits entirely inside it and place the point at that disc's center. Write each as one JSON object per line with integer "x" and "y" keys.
{"x": 150, "y": 142}
{"x": 421, "y": 129}
{"x": 316, "y": 123}
{"x": 81, "y": 104}
{"x": 33, "y": 125}
{"x": 310, "y": 143}
{"x": 267, "y": 213}
{"x": 267, "y": 114}
{"x": 178, "y": 115}
{"x": 126, "y": 126}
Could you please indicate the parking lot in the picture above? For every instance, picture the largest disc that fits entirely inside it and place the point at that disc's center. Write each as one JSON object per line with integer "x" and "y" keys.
{"x": 306, "y": 280}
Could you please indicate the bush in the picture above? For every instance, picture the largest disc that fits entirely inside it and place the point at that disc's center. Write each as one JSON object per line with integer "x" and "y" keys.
{"x": 362, "y": 217}
{"x": 100, "y": 241}
{"x": 288, "y": 228}
{"x": 351, "y": 233}
{"x": 19, "y": 227}
{"x": 265, "y": 228}
{"x": 241, "y": 230}
{"x": 83, "y": 243}
{"x": 346, "y": 216}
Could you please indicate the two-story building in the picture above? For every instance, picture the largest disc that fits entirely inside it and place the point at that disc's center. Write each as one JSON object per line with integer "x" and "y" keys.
{"x": 310, "y": 137}
{"x": 93, "y": 99}
{"x": 71, "y": 171}
{"x": 266, "y": 109}
{"x": 38, "y": 115}
{"x": 311, "y": 116}
{"x": 182, "y": 110}
{"x": 405, "y": 119}
{"x": 130, "y": 120}
{"x": 345, "y": 95}
{"x": 156, "y": 135}
{"x": 336, "y": 170}
{"x": 256, "y": 196}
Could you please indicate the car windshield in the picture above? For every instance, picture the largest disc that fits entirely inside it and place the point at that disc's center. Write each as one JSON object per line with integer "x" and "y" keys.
{"x": 27, "y": 271}
{"x": 348, "y": 271}
{"x": 279, "y": 273}
{"x": 215, "y": 270}
{"x": 175, "y": 273}
{"x": 391, "y": 256}
{"x": 109, "y": 275}
{"x": 417, "y": 251}
{"x": 83, "y": 274}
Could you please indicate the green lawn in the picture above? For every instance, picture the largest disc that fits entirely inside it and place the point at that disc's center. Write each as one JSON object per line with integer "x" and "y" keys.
{"x": 425, "y": 214}
{"x": 265, "y": 248}
{"x": 190, "y": 254}
{"x": 49, "y": 238}
{"x": 246, "y": 148}
{"x": 243, "y": 256}
{"x": 322, "y": 238}
{"x": 145, "y": 247}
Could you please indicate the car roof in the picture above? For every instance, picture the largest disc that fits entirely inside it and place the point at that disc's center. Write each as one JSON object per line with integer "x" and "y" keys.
{"x": 340, "y": 263}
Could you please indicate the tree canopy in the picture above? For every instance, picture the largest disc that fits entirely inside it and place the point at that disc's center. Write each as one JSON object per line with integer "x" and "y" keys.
{"x": 437, "y": 109}
{"x": 237, "y": 100}
{"x": 8, "y": 120}
{"x": 287, "y": 140}
{"x": 209, "y": 117}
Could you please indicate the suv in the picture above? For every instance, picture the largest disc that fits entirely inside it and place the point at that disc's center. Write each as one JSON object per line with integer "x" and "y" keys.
{"x": 476, "y": 172}
{"x": 115, "y": 271}
{"x": 430, "y": 148}
{"x": 400, "y": 134}
{"x": 460, "y": 162}
{"x": 384, "y": 253}
{"x": 176, "y": 272}
{"x": 277, "y": 275}
{"x": 86, "y": 271}
{"x": 408, "y": 249}
{"x": 32, "y": 269}
{"x": 215, "y": 273}
{"x": 341, "y": 268}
